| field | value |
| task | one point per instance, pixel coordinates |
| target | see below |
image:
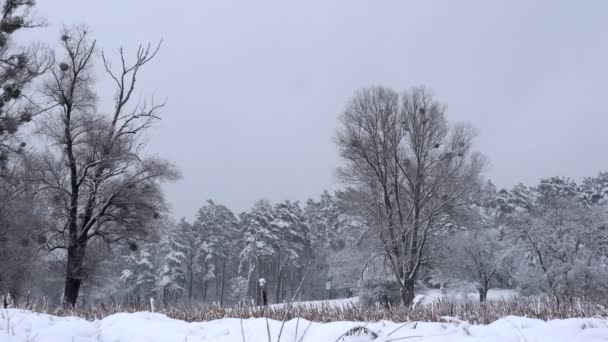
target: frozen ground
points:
(343, 302)
(423, 297)
(494, 295)
(25, 326)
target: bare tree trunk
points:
(205, 291)
(74, 272)
(223, 281)
(483, 294)
(260, 274)
(483, 290)
(278, 272)
(190, 281)
(293, 277)
(407, 292)
(216, 287)
(277, 289)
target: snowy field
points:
(423, 297)
(432, 295)
(25, 326)
(342, 302)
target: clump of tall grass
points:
(534, 307)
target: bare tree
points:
(415, 166)
(477, 250)
(94, 175)
(475, 256)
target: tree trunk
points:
(277, 289)
(190, 280)
(204, 291)
(293, 277)
(74, 272)
(223, 280)
(407, 292)
(483, 294)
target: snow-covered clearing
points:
(424, 297)
(342, 302)
(25, 326)
(432, 295)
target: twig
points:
(242, 330)
(268, 330)
(291, 304)
(399, 327)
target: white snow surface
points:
(430, 296)
(26, 326)
(423, 297)
(342, 302)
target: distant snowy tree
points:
(217, 233)
(563, 239)
(293, 246)
(331, 238)
(260, 237)
(595, 189)
(177, 250)
(139, 274)
(325, 221)
(475, 253)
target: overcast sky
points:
(255, 87)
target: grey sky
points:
(255, 87)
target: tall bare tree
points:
(416, 167)
(98, 182)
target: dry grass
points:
(542, 308)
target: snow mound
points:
(27, 326)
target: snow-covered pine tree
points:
(176, 247)
(324, 220)
(260, 238)
(326, 223)
(293, 252)
(595, 189)
(139, 274)
(218, 236)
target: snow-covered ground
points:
(433, 295)
(424, 297)
(342, 302)
(26, 326)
